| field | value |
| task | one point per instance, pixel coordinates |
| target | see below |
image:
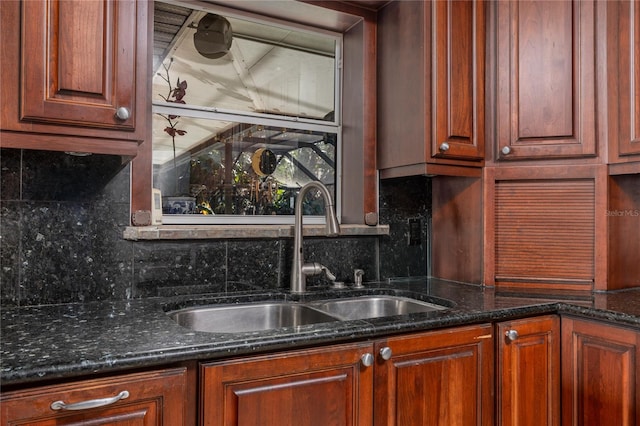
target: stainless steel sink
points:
(248, 317)
(374, 306)
(271, 315)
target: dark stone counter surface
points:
(77, 340)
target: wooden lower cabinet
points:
(433, 378)
(601, 374)
(144, 399)
(443, 377)
(328, 386)
(528, 372)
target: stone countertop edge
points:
(200, 232)
(78, 340)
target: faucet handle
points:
(314, 268)
(357, 278)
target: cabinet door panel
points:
(436, 378)
(600, 382)
(326, 386)
(458, 87)
(629, 74)
(294, 400)
(528, 372)
(88, 65)
(546, 79)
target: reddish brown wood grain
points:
(154, 398)
(545, 80)
(317, 386)
(431, 77)
(69, 66)
(528, 372)
(600, 374)
(437, 378)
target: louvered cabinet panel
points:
(545, 232)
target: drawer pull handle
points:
(92, 403)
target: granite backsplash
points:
(61, 224)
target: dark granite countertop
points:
(78, 340)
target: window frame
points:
(357, 165)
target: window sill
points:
(218, 232)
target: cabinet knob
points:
(123, 113)
(444, 147)
(385, 353)
(506, 150)
(367, 359)
(511, 335)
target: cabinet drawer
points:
(145, 399)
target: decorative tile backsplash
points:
(61, 224)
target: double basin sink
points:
(272, 315)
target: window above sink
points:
(237, 133)
(355, 161)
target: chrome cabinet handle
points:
(123, 113)
(506, 150)
(367, 359)
(444, 147)
(385, 353)
(511, 335)
(92, 403)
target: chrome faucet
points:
(300, 270)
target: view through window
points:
(245, 112)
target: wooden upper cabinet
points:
(528, 372)
(89, 62)
(623, 49)
(143, 399)
(441, 377)
(545, 79)
(77, 70)
(458, 83)
(601, 374)
(431, 77)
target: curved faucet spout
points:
(298, 272)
